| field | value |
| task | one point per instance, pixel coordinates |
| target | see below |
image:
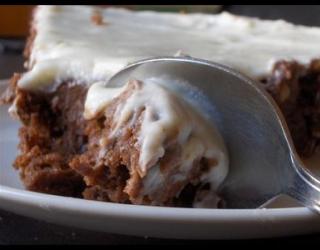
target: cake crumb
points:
(97, 18)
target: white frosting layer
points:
(69, 45)
(166, 117)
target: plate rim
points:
(160, 222)
(150, 212)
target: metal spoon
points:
(263, 161)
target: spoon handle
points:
(304, 187)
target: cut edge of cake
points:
(42, 162)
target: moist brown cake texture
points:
(59, 149)
(296, 89)
(51, 134)
(110, 165)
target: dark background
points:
(20, 230)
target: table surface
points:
(16, 229)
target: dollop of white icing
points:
(69, 45)
(166, 118)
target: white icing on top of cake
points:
(70, 46)
(166, 117)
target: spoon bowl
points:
(263, 161)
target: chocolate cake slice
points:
(65, 150)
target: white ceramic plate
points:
(180, 223)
